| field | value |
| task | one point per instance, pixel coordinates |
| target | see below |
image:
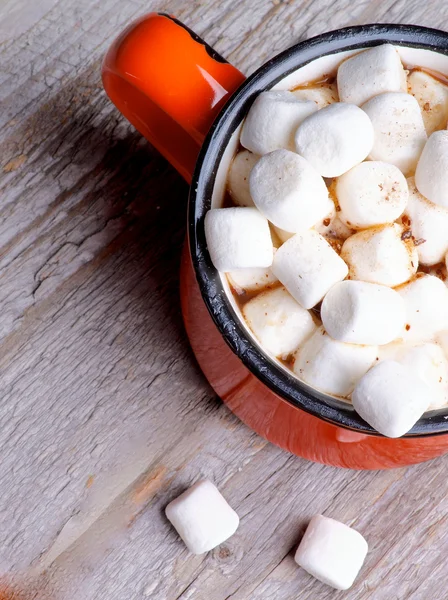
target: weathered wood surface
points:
(104, 415)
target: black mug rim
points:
(287, 386)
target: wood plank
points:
(105, 416)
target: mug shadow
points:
(137, 191)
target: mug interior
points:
(305, 62)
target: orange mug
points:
(188, 101)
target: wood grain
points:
(104, 415)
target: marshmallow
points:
(400, 133)
(238, 180)
(391, 398)
(282, 235)
(202, 517)
(322, 95)
(429, 226)
(370, 194)
(431, 175)
(335, 138)
(331, 552)
(250, 280)
(308, 267)
(238, 238)
(278, 322)
(288, 191)
(370, 73)
(429, 363)
(442, 340)
(272, 121)
(332, 227)
(426, 300)
(356, 312)
(432, 97)
(331, 366)
(393, 350)
(381, 254)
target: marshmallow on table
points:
(382, 254)
(308, 267)
(250, 280)
(272, 121)
(288, 191)
(432, 96)
(278, 322)
(331, 552)
(431, 175)
(426, 300)
(356, 312)
(391, 398)
(322, 95)
(238, 238)
(370, 73)
(238, 180)
(202, 517)
(370, 194)
(400, 133)
(429, 363)
(330, 366)
(429, 226)
(335, 138)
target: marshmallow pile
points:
(338, 240)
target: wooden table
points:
(104, 413)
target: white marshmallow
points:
(322, 95)
(238, 238)
(333, 228)
(429, 363)
(426, 300)
(335, 138)
(370, 73)
(272, 121)
(432, 96)
(331, 366)
(278, 322)
(370, 194)
(391, 398)
(288, 191)
(393, 350)
(400, 133)
(442, 340)
(238, 180)
(429, 226)
(331, 552)
(356, 312)
(431, 175)
(308, 267)
(202, 517)
(282, 235)
(250, 280)
(380, 255)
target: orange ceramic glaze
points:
(170, 86)
(166, 83)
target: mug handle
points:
(169, 84)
